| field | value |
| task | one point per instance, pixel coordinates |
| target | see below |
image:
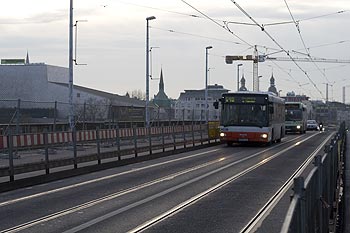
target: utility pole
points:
(255, 70)
(238, 65)
(70, 84)
(147, 70)
(206, 84)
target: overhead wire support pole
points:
(278, 44)
(255, 70)
(147, 71)
(206, 84)
(70, 84)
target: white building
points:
(191, 104)
(40, 86)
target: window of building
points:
(78, 95)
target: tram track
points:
(202, 195)
(142, 168)
(257, 220)
(148, 184)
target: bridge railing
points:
(314, 203)
(27, 153)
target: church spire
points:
(27, 58)
(272, 87)
(243, 88)
(161, 82)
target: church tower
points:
(161, 99)
(272, 87)
(243, 88)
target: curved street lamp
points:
(206, 83)
(147, 69)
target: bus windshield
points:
(294, 115)
(244, 115)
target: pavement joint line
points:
(100, 179)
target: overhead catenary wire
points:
(278, 44)
(303, 42)
(306, 19)
(291, 76)
(218, 24)
(159, 9)
(196, 35)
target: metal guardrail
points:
(102, 144)
(314, 204)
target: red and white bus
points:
(252, 117)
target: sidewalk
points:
(347, 186)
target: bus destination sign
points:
(245, 99)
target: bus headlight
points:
(264, 135)
(298, 126)
(222, 134)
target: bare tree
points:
(95, 109)
(138, 94)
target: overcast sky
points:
(112, 42)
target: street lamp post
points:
(238, 65)
(147, 70)
(258, 83)
(206, 83)
(70, 84)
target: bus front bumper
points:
(244, 137)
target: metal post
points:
(150, 140)
(147, 70)
(318, 164)
(118, 141)
(10, 145)
(98, 145)
(71, 107)
(163, 142)
(74, 137)
(200, 127)
(135, 139)
(47, 165)
(193, 142)
(255, 70)
(184, 133)
(55, 117)
(300, 192)
(18, 115)
(84, 118)
(206, 82)
(174, 137)
(238, 65)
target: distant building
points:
(39, 86)
(243, 88)
(162, 102)
(272, 87)
(191, 104)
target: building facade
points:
(162, 102)
(41, 91)
(191, 104)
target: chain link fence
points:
(23, 116)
